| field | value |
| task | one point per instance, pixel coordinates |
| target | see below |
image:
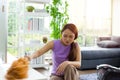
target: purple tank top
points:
(60, 53)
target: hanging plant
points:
(59, 16)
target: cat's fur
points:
(18, 70)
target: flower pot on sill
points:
(45, 39)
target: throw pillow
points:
(104, 38)
(108, 44)
(116, 38)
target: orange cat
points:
(18, 70)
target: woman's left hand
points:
(62, 67)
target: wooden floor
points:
(46, 71)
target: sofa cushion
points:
(93, 56)
(108, 44)
(116, 38)
(94, 53)
(104, 38)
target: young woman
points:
(66, 54)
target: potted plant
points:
(30, 8)
(59, 16)
(45, 39)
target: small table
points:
(32, 74)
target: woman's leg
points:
(54, 77)
(71, 73)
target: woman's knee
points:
(70, 69)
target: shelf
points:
(34, 23)
(38, 1)
(33, 45)
(37, 14)
(39, 65)
(36, 32)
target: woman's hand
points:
(62, 67)
(28, 58)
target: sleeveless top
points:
(60, 53)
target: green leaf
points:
(59, 16)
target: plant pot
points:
(30, 8)
(45, 39)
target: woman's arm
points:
(41, 51)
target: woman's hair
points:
(73, 52)
(71, 27)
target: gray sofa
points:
(107, 52)
(93, 56)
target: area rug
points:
(92, 76)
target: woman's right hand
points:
(62, 67)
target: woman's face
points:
(67, 37)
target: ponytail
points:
(73, 52)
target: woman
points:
(66, 54)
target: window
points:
(98, 17)
(93, 18)
(16, 24)
(12, 28)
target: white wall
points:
(116, 18)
